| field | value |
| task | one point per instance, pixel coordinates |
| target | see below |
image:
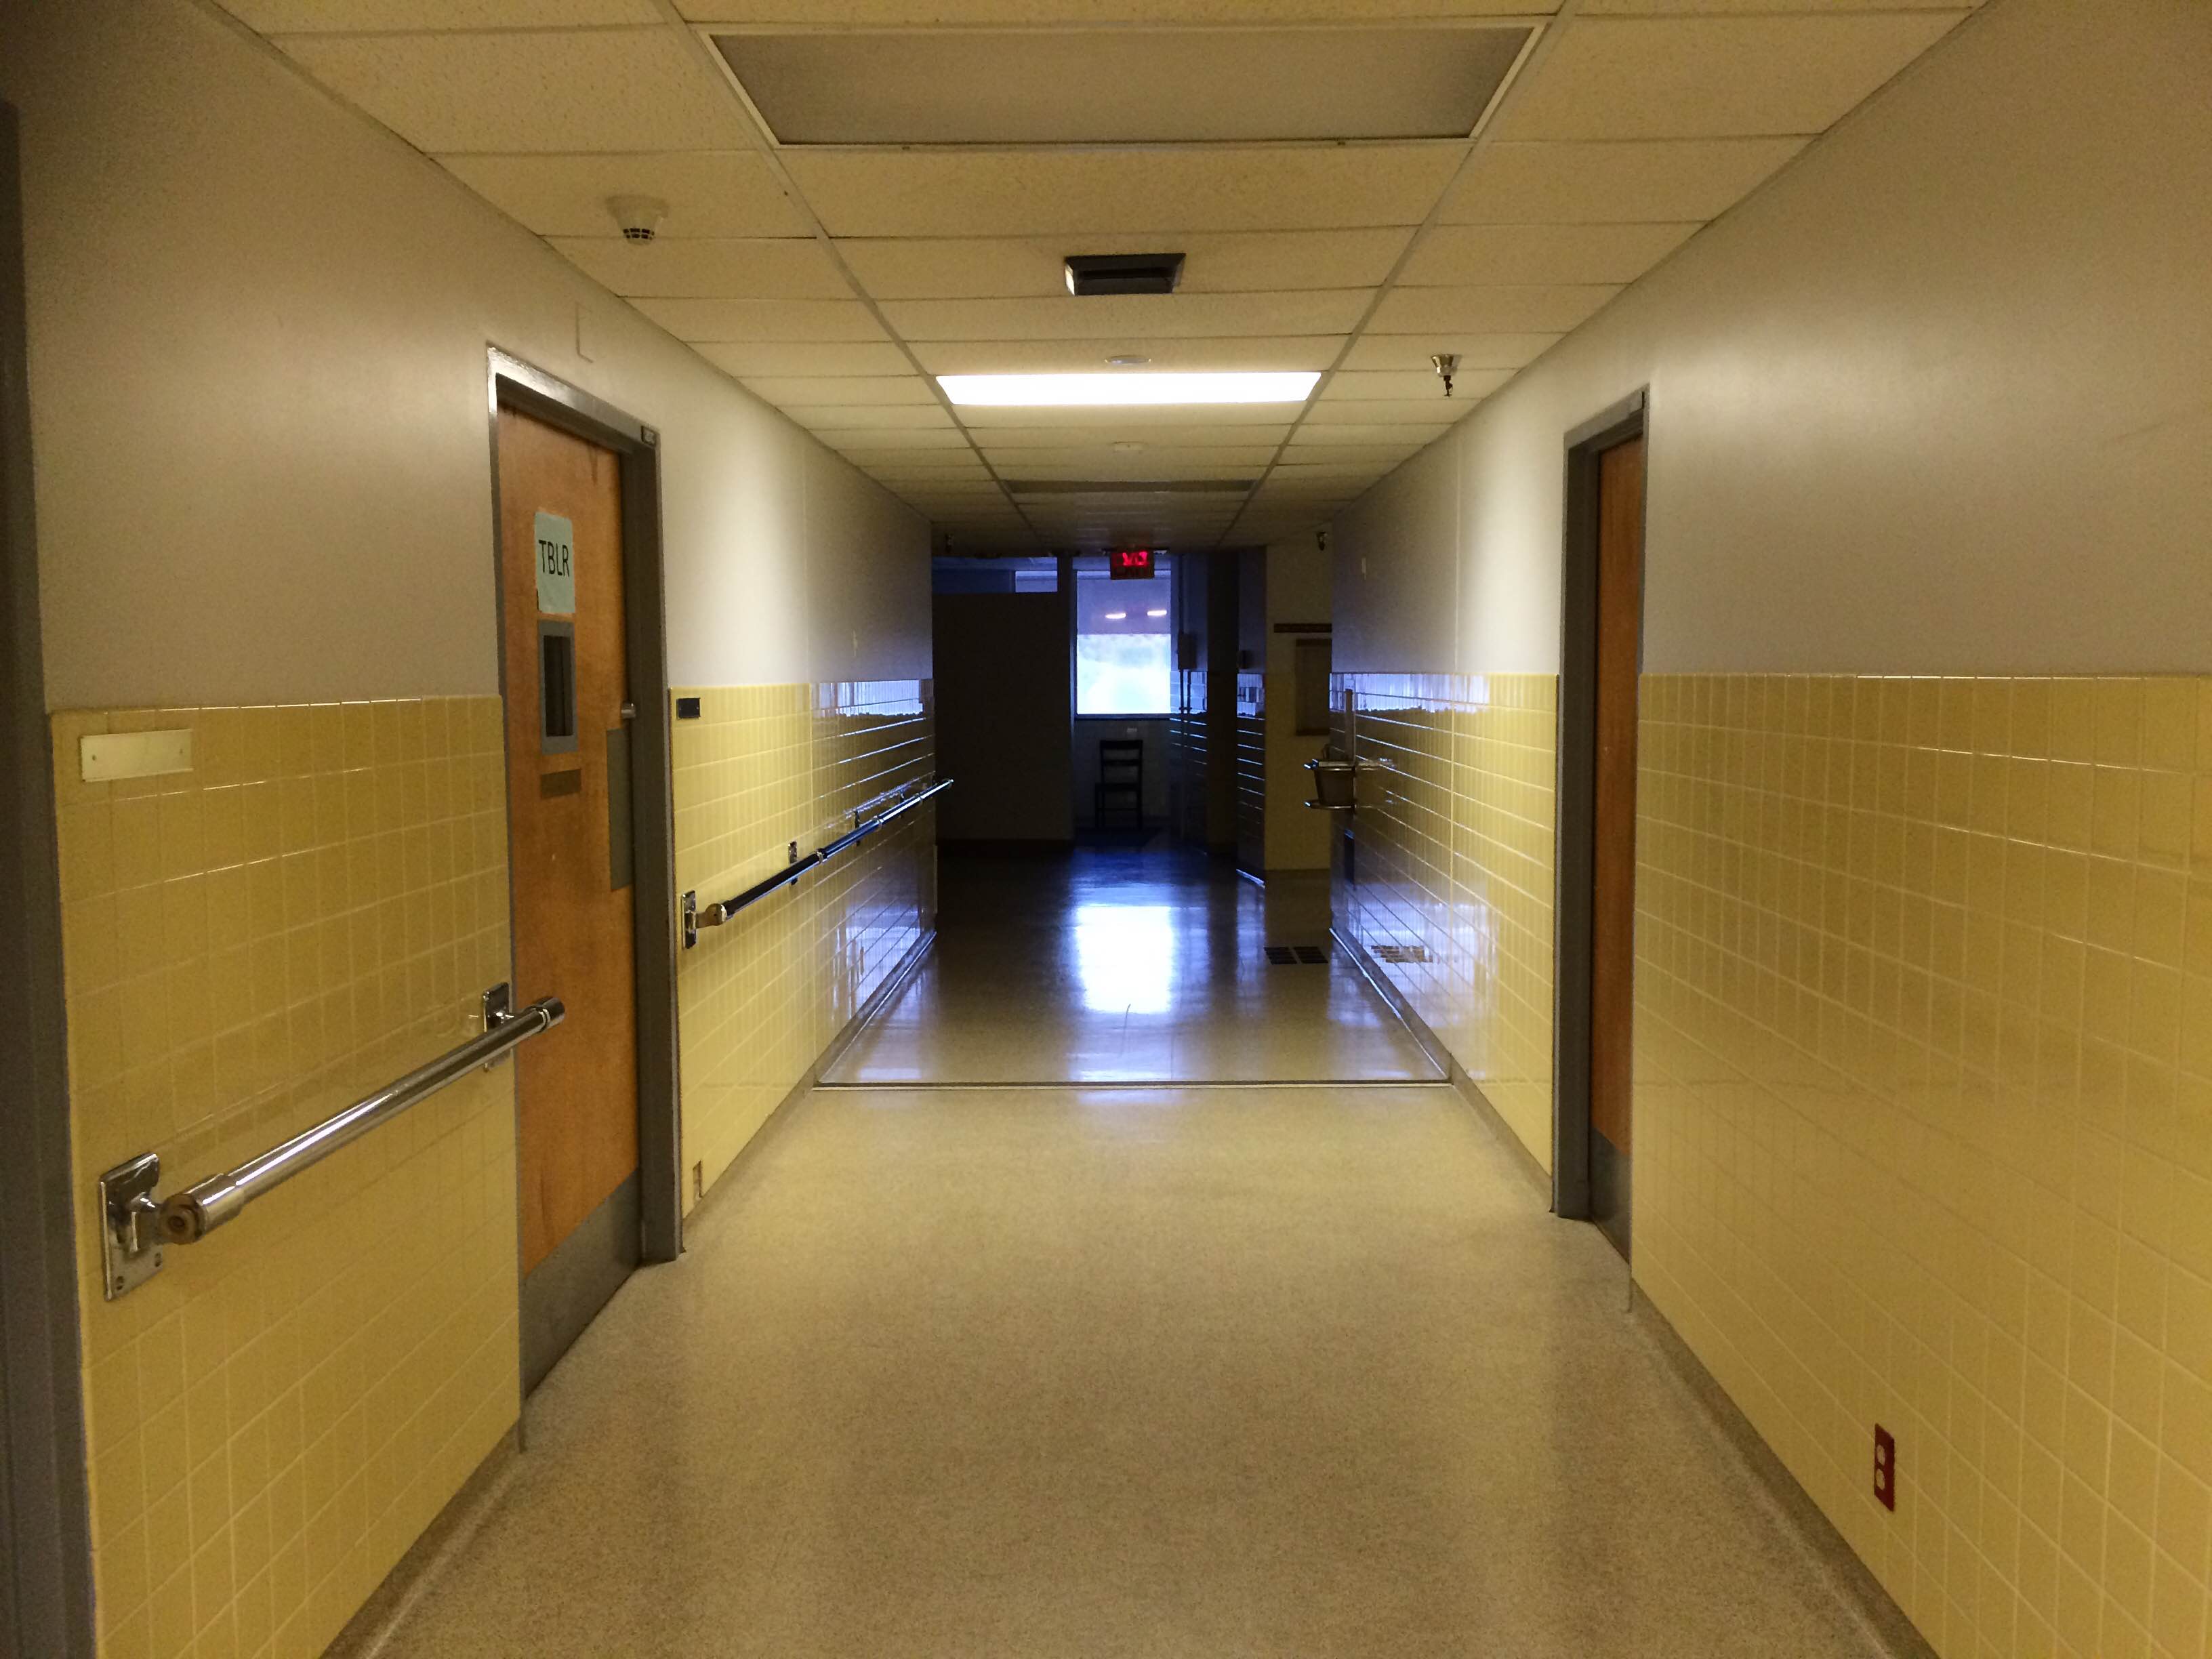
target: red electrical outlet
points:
(1885, 1467)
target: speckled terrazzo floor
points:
(1204, 1372)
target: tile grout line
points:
(765, 148)
(1545, 36)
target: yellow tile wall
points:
(1454, 864)
(760, 998)
(1924, 1124)
(309, 912)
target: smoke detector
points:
(639, 217)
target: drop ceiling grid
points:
(837, 282)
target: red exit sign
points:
(1131, 563)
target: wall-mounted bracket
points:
(687, 911)
(130, 1230)
(498, 1006)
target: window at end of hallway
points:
(1124, 643)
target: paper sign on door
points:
(556, 565)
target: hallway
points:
(1204, 1372)
(1117, 965)
(1003, 828)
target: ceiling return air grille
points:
(1140, 85)
(1091, 274)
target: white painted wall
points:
(1939, 398)
(258, 329)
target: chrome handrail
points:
(695, 916)
(191, 1215)
(136, 1224)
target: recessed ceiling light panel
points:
(1205, 85)
(1128, 391)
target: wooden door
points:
(1612, 920)
(559, 515)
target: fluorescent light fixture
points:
(1092, 391)
(1160, 612)
(1117, 616)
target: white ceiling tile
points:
(982, 493)
(1312, 351)
(880, 417)
(1336, 438)
(1290, 471)
(813, 358)
(1314, 445)
(763, 319)
(1476, 352)
(601, 89)
(1715, 77)
(871, 390)
(853, 13)
(1124, 468)
(1009, 267)
(722, 268)
(1660, 181)
(1357, 387)
(1318, 311)
(1661, 8)
(1029, 193)
(1427, 413)
(1487, 310)
(951, 468)
(1153, 461)
(709, 193)
(364, 16)
(890, 443)
(1540, 255)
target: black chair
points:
(1120, 789)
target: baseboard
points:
(369, 1629)
(1849, 1577)
(878, 1000)
(894, 982)
(1441, 1058)
(365, 1633)
(1044, 849)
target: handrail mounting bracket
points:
(130, 1235)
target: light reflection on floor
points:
(1125, 954)
(1121, 966)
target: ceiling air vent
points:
(1123, 273)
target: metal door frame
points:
(45, 1508)
(1576, 816)
(514, 384)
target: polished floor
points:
(1123, 965)
(1199, 1371)
(1128, 1371)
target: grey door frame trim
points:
(1577, 798)
(45, 1508)
(518, 385)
